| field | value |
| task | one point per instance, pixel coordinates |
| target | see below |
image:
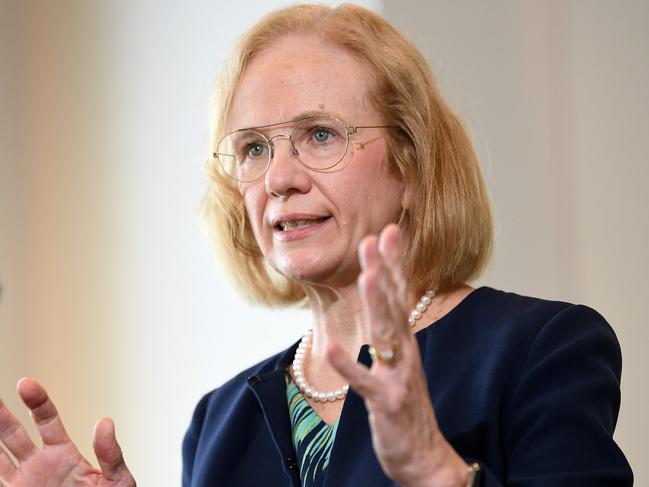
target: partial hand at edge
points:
(58, 462)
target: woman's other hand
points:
(405, 434)
(58, 462)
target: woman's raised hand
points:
(58, 462)
(405, 435)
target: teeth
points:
(293, 224)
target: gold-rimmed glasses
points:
(319, 142)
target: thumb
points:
(109, 453)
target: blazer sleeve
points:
(561, 412)
(190, 441)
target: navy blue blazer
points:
(529, 388)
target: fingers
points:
(392, 253)
(7, 468)
(108, 452)
(47, 420)
(380, 307)
(383, 288)
(368, 253)
(357, 375)
(13, 435)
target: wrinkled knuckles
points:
(395, 402)
(44, 418)
(9, 431)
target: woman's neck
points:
(337, 315)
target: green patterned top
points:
(313, 439)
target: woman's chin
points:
(315, 271)
(304, 275)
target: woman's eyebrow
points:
(297, 118)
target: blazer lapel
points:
(270, 390)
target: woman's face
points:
(327, 213)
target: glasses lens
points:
(243, 155)
(321, 142)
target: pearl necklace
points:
(339, 394)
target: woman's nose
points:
(286, 174)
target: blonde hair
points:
(447, 220)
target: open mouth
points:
(288, 225)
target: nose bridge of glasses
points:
(271, 142)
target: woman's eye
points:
(254, 150)
(321, 134)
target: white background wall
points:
(110, 295)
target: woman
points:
(341, 180)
